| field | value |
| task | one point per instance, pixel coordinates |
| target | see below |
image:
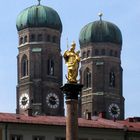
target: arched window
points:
(88, 53)
(96, 52)
(112, 79)
(24, 66)
(39, 37)
(54, 39)
(87, 78)
(111, 53)
(103, 52)
(50, 67)
(116, 54)
(32, 38)
(48, 38)
(84, 55)
(21, 41)
(25, 39)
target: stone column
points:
(71, 92)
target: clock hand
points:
(114, 109)
(52, 99)
(25, 100)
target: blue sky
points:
(74, 15)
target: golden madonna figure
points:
(72, 60)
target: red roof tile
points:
(131, 126)
(96, 122)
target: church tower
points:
(101, 71)
(39, 62)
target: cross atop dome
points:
(39, 2)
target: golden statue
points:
(72, 60)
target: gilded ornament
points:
(72, 60)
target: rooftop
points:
(131, 124)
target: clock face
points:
(114, 110)
(24, 101)
(52, 100)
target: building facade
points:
(21, 127)
(101, 71)
(40, 103)
(39, 62)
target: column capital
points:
(72, 90)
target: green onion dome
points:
(38, 16)
(100, 31)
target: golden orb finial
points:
(100, 15)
